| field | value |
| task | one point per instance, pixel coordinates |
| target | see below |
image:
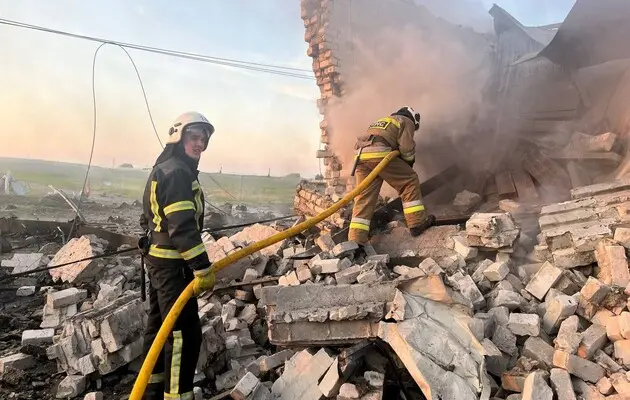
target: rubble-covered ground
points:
(520, 303)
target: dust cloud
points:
(443, 74)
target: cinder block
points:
(67, 297)
(38, 337)
(537, 349)
(244, 387)
(544, 279)
(561, 383)
(613, 264)
(536, 388)
(558, 310)
(577, 366)
(497, 271)
(16, 361)
(524, 324)
(593, 339)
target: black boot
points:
(426, 224)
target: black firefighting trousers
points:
(174, 371)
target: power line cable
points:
(122, 45)
(253, 66)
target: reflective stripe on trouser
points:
(182, 396)
(178, 359)
(414, 212)
(399, 175)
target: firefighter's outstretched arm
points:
(180, 212)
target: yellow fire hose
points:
(168, 323)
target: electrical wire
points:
(122, 45)
(234, 63)
(221, 187)
(94, 110)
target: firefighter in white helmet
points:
(173, 212)
(395, 132)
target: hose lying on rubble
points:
(168, 323)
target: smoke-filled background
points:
(495, 94)
(440, 69)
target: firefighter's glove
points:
(204, 280)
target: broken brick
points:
(568, 339)
(558, 310)
(524, 324)
(496, 272)
(536, 388)
(561, 383)
(594, 291)
(594, 338)
(544, 279)
(578, 366)
(613, 264)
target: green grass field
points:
(129, 183)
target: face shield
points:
(199, 130)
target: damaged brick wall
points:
(333, 29)
(313, 198)
(344, 38)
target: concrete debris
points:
(38, 337)
(25, 291)
(494, 231)
(466, 201)
(301, 376)
(256, 233)
(469, 314)
(17, 361)
(24, 262)
(71, 386)
(76, 249)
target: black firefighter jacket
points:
(173, 210)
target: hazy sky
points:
(263, 121)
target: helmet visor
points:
(199, 129)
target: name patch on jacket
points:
(381, 124)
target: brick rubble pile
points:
(469, 312)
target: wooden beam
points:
(524, 185)
(505, 185)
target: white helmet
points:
(184, 121)
(410, 113)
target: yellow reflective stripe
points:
(408, 158)
(198, 203)
(176, 363)
(155, 207)
(183, 396)
(164, 253)
(383, 123)
(414, 209)
(179, 206)
(360, 220)
(156, 378)
(371, 156)
(408, 204)
(194, 252)
(358, 225)
(392, 120)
